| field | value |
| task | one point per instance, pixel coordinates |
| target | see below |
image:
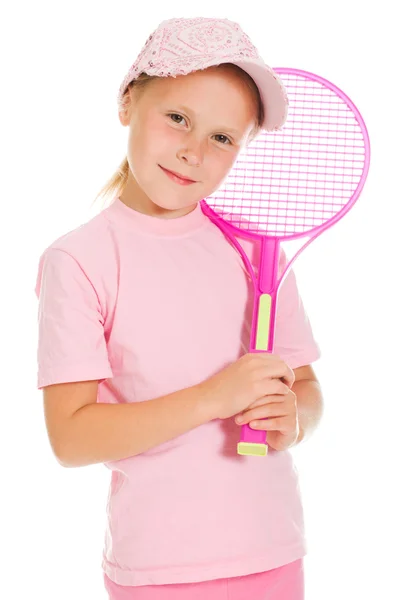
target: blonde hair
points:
(116, 184)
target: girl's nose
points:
(192, 155)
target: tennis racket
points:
(291, 184)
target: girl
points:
(144, 325)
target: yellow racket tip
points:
(250, 449)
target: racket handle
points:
(252, 442)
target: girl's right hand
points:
(245, 381)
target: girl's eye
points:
(223, 138)
(178, 119)
(176, 115)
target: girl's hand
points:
(251, 378)
(280, 419)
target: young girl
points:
(144, 326)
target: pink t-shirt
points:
(150, 306)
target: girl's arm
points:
(83, 432)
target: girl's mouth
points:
(176, 177)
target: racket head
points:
(302, 179)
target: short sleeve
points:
(71, 341)
(294, 339)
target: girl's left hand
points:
(280, 419)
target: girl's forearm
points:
(309, 406)
(102, 432)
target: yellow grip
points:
(263, 322)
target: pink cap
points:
(181, 46)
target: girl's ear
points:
(124, 113)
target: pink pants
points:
(283, 583)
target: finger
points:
(271, 387)
(275, 409)
(288, 375)
(282, 424)
(279, 370)
(289, 378)
(271, 398)
(265, 424)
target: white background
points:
(62, 64)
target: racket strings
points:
(292, 181)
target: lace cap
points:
(181, 46)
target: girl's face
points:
(194, 125)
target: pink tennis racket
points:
(291, 184)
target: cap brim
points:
(272, 91)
